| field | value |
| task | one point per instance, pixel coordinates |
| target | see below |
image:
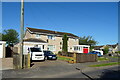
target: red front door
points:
(85, 50)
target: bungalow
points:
(112, 48)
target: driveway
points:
(41, 70)
(55, 69)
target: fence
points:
(81, 57)
(85, 57)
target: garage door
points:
(1, 51)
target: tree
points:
(10, 36)
(106, 49)
(0, 36)
(87, 41)
(65, 44)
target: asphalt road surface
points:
(60, 69)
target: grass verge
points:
(64, 58)
(102, 59)
(114, 57)
(106, 64)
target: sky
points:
(97, 19)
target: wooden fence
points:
(82, 57)
(85, 57)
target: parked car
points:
(95, 52)
(36, 54)
(49, 55)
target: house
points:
(112, 48)
(98, 47)
(2, 49)
(48, 40)
(116, 49)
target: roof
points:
(113, 46)
(34, 40)
(34, 30)
(97, 47)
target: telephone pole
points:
(21, 33)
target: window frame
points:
(54, 47)
(52, 37)
(37, 35)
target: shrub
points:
(59, 52)
(106, 49)
(118, 52)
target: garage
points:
(31, 42)
(2, 49)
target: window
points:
(37, 35)
(35, 50)
(60, 48)
(51, 47)
(60, 43)
(75, 48)
(51, 37)
(75, 39)
(36, 45)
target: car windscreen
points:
(35, 50)
(48, 52)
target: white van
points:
(36, 53)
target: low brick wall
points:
(7, 63)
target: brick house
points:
(48, 40)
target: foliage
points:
(105, 50)
(59, 52)
(118, 52)
(10, 36)
(65, 43)
(0, 36)
(87, 41)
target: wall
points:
(2, 49)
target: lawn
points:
(105, 64)
(114, 57)
(102, 59)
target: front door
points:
(85, 50)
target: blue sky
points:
(97, 19)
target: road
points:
(61, 69)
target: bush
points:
(106, 49)
(59, 52)
(118, 52)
